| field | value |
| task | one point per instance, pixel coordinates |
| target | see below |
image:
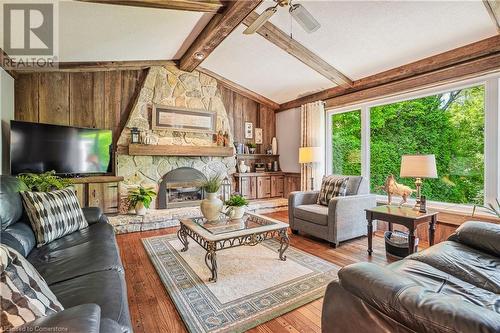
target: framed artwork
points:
(248, 130)
(173, 118)
(258, 135)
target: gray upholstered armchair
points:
(344, 218)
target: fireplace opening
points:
(181, 188)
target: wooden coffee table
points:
(224, 234)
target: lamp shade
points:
(421, 166)
(309, 154)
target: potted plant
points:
(236, 206)
(211, 206)
(491, 208)
(251, 147)
(140, 198)
(43, 182)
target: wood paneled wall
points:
(85, 99)
(103, 99)
(241, 109)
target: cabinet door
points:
(110, 198)
(277, 186)
(248, 187)
(96, 195)
(263, 187)
(292, 183)
(80, 194)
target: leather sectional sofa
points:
(453, 286)
(83, 269)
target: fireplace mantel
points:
(174, 150)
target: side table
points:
(401, 215)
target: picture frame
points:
(248, 130)
(258, 136)
(166, 117)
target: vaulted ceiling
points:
(358, 38)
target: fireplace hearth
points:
(180, 188)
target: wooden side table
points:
(401, 215)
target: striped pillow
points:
(25, 294)
(53, 214)
(332, 186)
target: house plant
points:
(491, 208)
(140, 198)
(236, 206)
(251, 147)
(43, 182)
(211, 206)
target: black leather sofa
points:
(453, 286)
(83, 269)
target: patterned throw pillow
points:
(53, 214)
(332, 186)
(25, 294)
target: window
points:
(346, 143)
(459, 125)
(448, 125)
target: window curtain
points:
(312, 119)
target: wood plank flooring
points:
(153, 311)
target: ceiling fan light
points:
(259, 22)
(304, 18)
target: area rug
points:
(253, 285)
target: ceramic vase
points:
(242, 167)
(211, 207)
(274, 144)
(237, 213)
(140, 209)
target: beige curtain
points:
(312, 119)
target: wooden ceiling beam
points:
(7, 63)
(94, 66)
(493, 8)
(208, 6)
(240, 89)
(440, 61)
(279, 38)
(219, 27)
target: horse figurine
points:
(394, 188)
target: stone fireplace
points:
(180, 188)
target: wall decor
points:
(258, 136)
(183, 119)
(248, 130)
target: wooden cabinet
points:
(277, 186)
(248, 187)
(80, 194)
(263, 187)
(99, 191)
(291, 183)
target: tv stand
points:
(98, 191)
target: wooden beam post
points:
(219, 27)
(208, 6)
(279, 38)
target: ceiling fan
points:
(297, 11)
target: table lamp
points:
(310, 155)
(418, 167)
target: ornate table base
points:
(212, 246)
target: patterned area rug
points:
(253, 285)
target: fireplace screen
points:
(181, 188)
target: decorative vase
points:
(274, 144)
(140, 209)
(211, 207)
(242, 167)
(237, 213)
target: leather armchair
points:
(343, 219)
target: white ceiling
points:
(98, 32)
(359, 38)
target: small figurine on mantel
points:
(219, 138)
(226, 139)
(391, 187)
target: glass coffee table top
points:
(224, 225)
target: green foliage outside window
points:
(450, 126)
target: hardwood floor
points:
(153, 311)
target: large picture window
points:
(450, 126)
(346, 143)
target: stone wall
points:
(170, 86)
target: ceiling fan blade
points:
(304, 18)
(259, 22)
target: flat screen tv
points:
(67, 150)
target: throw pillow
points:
(332, 186)
(53, 214)
(25, 294)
